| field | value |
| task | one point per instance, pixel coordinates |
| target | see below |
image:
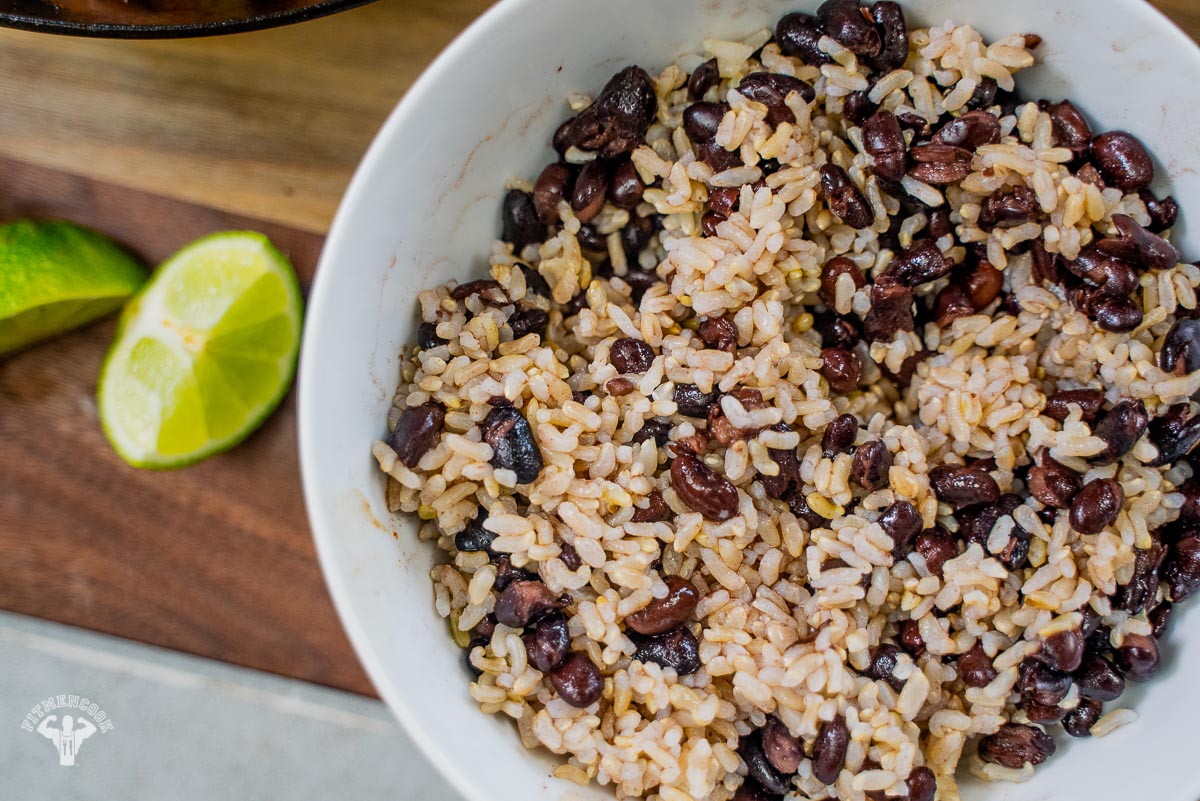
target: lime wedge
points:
(55, 276)
(204, 354)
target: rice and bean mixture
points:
(824, 423)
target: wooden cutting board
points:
(157, 143)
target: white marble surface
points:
(183, 727)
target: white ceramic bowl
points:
(424, 207)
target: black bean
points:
(520, 218)
(664, 614)
(616, 123)
(625, 189)
(630, 355)
(489, 292)
(952, 303)
(902, 522)
(922, 785)
(1181, 570)
(841, 369)
(772, 89)
(1123, 161)
(910, 638)
(1062, 650)
(1008, 207)
(963, 487)
(891, 310)
(940, 224)
(884, 140)
(835, 331)
(1159, 618)
(1135, 244)
(529, 321)
(513, 445)
(722, 200)
(1070, 127)
(1079, 721)
(1041, 684)
(851, 26)
(834, 269)
(635, 236)
(569, 556)
(890, 19)
(719, 333)
(655, 510)
(534, 283)
(845, 199)
(691, 401)
(591, 188)
(709, 223)
(798, 35)
(783, 751)
(475, 537)
(704, 491)
(829, 750)
(416, 431)
(427, 336)
(506, 574)
(872, 460)
(561, 141)
(975, 667)
(717, 157)
(759, 767)
(1180, 352)
(551, 187)
(1140, 591)
(936, 546)
(1089, 402)
(940, 164)
(1053, 484)
(1015, 745)
(1139, 657)
(655, 429)
(985, 95)
(1098, 679)
(522, 602)
(678, 649)
(1046, 265)
(970, 131)
(1121, 428)
(983, 284)
(1174, 434)
(750, 790)
(549, 643)
(703, 78)
(919, 264)
(1163, 213)
(857, 107)
(578, 681)
(701, 120)
(883, 663)
(1097, 505)
(839, 435)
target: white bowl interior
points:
(424, 208)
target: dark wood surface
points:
(157, 143)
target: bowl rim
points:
(108, 30)
(318, 505)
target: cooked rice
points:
(790, 613)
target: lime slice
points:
(55, 276)
(204, 354)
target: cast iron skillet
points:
(161, 19)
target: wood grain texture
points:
(156, 143)
(216, 559)
(269, 124)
